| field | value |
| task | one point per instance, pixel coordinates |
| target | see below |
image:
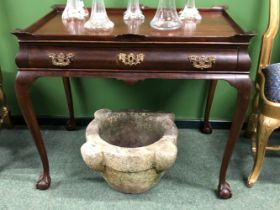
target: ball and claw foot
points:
(71, 125)
(224, 191)
(206, 128)
(44, 182)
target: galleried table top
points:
(216, 25)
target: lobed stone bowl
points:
(132, 150)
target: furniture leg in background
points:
(71, 124)
(5, 117)
(251, 131)
(206, 127)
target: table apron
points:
(137, 75)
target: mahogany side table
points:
(214, 49)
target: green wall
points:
(184, 98)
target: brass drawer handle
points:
(202, 62)
(61, 59)
(131, 59)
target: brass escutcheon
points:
(202, 62)
(61, 59)
(131, 59)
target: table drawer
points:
(118, 58)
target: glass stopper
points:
(75, 10)
(166, 17)
(190, 12)
(133, 11)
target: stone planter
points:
(132, 150)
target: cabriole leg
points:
(23, 83)
(243, 87)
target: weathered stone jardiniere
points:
(132, 150)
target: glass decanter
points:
(133, 11)
(99, 19)
(166, 17)
(190, 12)
(75, 10)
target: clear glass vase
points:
(166, 17)
(133, 11)
(99, 19)
(190, 12)
(75, 10)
